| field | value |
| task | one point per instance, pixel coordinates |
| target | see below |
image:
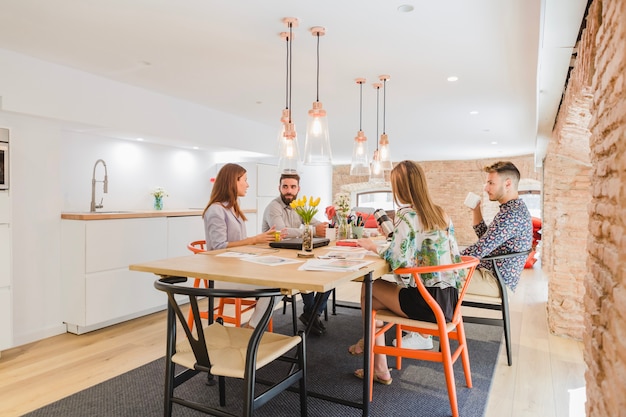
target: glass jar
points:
(307, 238)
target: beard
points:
(288, 198)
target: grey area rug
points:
(419, 389)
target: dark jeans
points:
(309, 300)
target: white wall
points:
(51, 167)
(134, 170)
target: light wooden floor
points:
(545, 367)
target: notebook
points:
(296, 243)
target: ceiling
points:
(511, 58)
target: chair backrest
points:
(467, 263)
(494, 259)
(175, 286)
(197, 246)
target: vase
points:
(158, 203)
(343, 230)
(307, 238)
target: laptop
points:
(296, 243)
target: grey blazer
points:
(222, 226)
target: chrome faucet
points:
(105, 187)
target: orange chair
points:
(241, 305)
(444, 331)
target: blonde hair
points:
(225, 189)
(408, 184)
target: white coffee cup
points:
(472, 200)
(331, 233)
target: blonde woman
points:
(423, 235)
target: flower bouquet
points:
(342, 211)
(306, 212)
(158, 194)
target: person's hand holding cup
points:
(472, 200)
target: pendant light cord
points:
(290, 67)
(287, 74)
(361, 107)
(384, 103)
(377, 113)
(317, 97)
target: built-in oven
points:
(4, 159)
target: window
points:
(376, 199)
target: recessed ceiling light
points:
(405, 8)
(453, 78)
(195, 147)
(140, 139)
(494, 143)
(474, 112)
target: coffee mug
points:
(357, 231)
(472, 200)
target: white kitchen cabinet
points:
(5, 256)
(98, 288)
(6, 305)
(5, 207)
(6, 318)
(181, 231)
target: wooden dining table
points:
(212, 267)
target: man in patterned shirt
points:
(510, 231)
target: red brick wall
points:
(605, 299)
(567, 194)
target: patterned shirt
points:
(412, 246)
(510, 231)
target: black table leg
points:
(367, 338)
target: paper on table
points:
(245, 251)
(270, 260)
(336, 254)
(334, 265)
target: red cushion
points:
(369, 219)
(531, 260)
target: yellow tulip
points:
(315, 202)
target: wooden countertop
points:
(136, 214)
(130, 214)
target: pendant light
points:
(383, 152)
(360, 164)
(377, 175)
(317, 145)
(288, 156)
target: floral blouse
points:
(412, 246)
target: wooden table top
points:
(231, 269)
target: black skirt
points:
(413, 304)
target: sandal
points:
(358, 348)
(359, 374)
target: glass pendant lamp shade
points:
(317, 145)
(288, 149)
(383, 151)
(377, 174)
(360, 164)
(384, 156)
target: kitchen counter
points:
(136, 214)
(130, 214)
